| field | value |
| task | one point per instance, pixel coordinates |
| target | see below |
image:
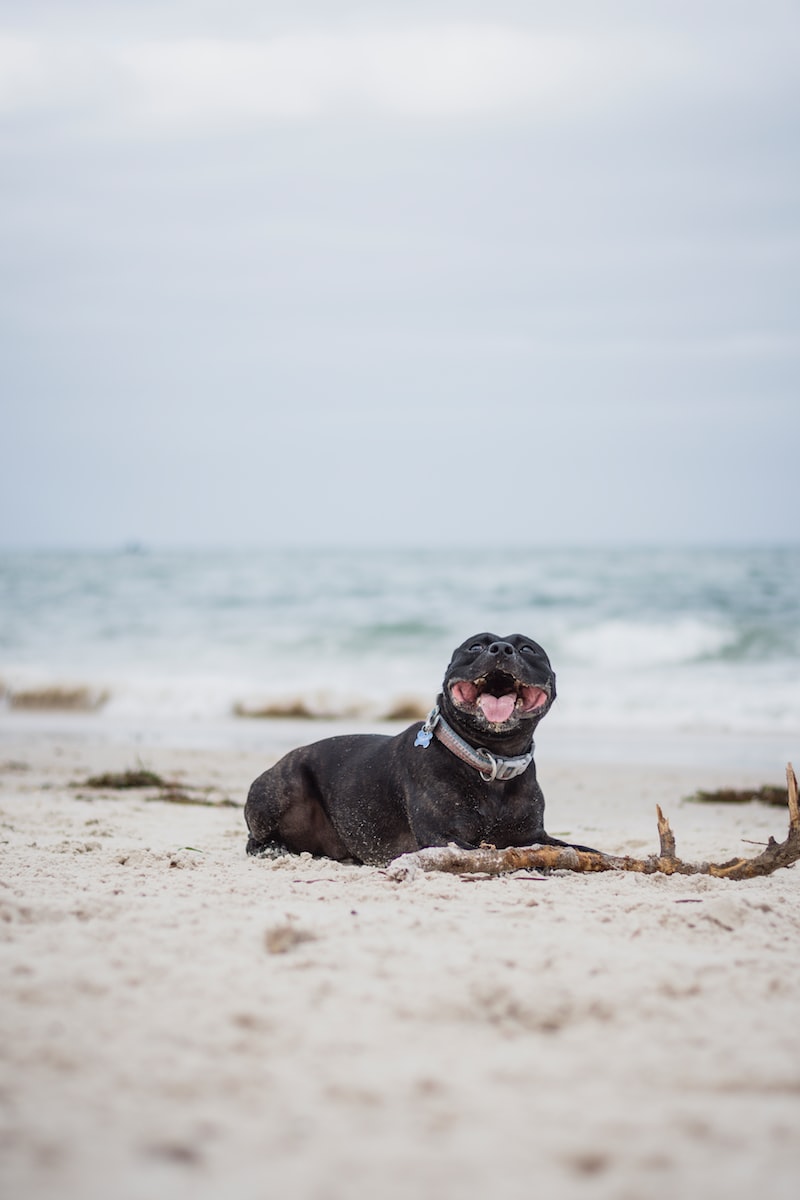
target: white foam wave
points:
(624, 645)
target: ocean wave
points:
(626, 644)
(623, 644)
(756, 644)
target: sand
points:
(180, 1020)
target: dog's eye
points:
(476, 646)
(529, 650)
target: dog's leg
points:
(284, 813)
(544, 839)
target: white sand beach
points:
(180, 1020)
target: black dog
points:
(466, 776)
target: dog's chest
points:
(496, 808)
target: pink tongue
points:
(497, 708)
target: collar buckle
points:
(493, 766)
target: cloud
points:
(442, 71)
(24, 80)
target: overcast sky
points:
(399, 272)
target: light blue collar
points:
(491, 766)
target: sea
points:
(673, 647)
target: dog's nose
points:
(501, 648)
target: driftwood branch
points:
(490, 861)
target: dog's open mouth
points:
(498, 696)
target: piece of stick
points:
(665, 835)
(490, 861)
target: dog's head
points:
(497, 688)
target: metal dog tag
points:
(423, 738)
